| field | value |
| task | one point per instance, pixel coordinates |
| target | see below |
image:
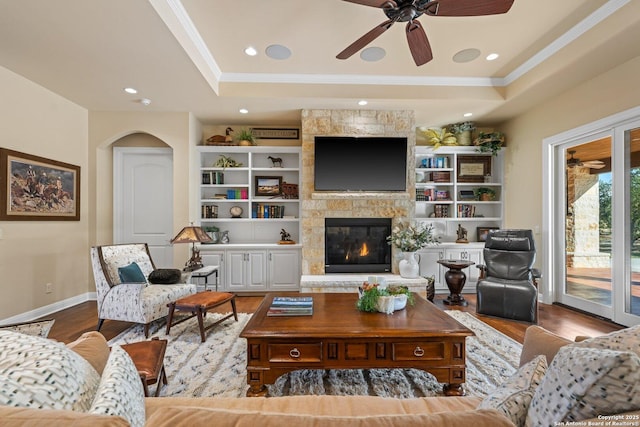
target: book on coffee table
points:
(291, 306)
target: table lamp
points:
(192, 234)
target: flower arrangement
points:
(370, 295)
(412, 237)
(457, 128)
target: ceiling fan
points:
(572, 162)
(409, 10)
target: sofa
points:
(86, 383)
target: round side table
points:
(455, 279)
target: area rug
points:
(217, 367)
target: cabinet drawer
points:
(307, 352)
(419, 351)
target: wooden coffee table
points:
(338, 336)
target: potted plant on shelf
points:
(489, 142)
(485, 194)
(212, 231)
(462, 131)
(374, 298)
(226, 162)
(245, 137)
(438, 137)
(410, 238)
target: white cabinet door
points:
(256, 270)
(246, 271)
(429, 265)
(284, 269)
(235, 270)
(213, 258)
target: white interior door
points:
(143, 200)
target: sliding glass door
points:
(592, 217)
(587, 225)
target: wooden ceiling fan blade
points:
(466, 7)
(375, 3)
(364, 40)
(418, 43)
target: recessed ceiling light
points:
(277, 51)
(243, 111)
(145, 101)
(362, 102)
(373, 54)
(468, 114)
(492, 56)
(466, 55)
(251, 51)
(130, 90)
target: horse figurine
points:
(276, 162)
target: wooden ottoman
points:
(148, 356)
(198, 304)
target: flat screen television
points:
(345, 163)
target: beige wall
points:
(610, 93)
(33, 253)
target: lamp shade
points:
(192, 234)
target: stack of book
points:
(291, 306)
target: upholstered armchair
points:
(139, 302)
(507, 287)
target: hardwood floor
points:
(74, 321)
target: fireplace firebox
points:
(357, 245)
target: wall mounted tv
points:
(345, 163)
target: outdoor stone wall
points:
(316, 206)
(583, 225)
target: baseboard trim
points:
(49, 309)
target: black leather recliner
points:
(507, 287)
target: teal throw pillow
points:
(131, 274)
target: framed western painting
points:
(35, 188)
(268, 185)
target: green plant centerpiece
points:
(412, 237)
(439, 137)
(246, 137)
(484, 193)
(370, 295)
(489, 142)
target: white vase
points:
(408, 266)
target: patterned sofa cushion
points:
(40, 373)
(583, 383)
(514, 395)
(120, 392)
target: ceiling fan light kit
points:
(409, 10)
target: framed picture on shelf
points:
(473, 168)
(268, 185)
(37, 189)
(483, 232)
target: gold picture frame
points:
(34, 188)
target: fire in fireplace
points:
(357, 245)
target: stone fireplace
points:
(316, 207)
